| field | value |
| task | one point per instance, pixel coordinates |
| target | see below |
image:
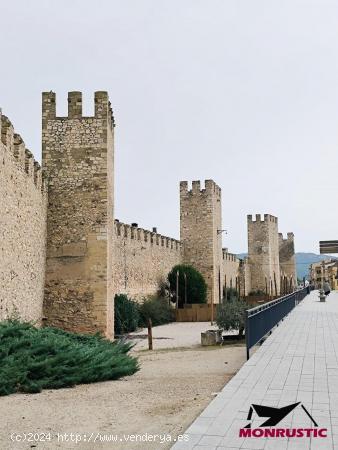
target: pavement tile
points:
(297, 362)
(210, 440)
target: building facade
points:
(324, 270)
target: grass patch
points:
(32, 359)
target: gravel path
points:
(172, 335)
(163, 398)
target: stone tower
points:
(201, 233)
(78, 161)
(263, 249)
(287, 258)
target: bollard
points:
(150, 335)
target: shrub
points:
(231, 315)
(163, 289)
(156, 309)
(196, 286)
(126, 314)
(33, 359)
(230, 294)
(257, 293)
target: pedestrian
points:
(326, 288)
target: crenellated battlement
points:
(201, 232)
(131, 232)
(244, 262)
(229, 256)
(78, 160)
(258, 218)
(287, 257)
(15, 149)
(290, 237)
(102, 107)
(263, 252)
(210, 188)
(23, 210)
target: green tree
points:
(231, 315)
(190, 281)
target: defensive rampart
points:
(142, 260)
(22, 228)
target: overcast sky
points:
(241, 91)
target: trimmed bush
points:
(156, 309)
(32, 359)
(196, 286)
(126, 314)
(231, 315)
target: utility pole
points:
(225, 284)
(177, 276)
(125, 265)
(212, 307)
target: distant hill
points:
(303, 260)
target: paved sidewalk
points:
(298, 362)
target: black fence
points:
(261, 319)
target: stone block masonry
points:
(201, 233)
(263, 246)
(236, 273)
(142, 260)
(287, 258)
(77, 155)
(230, 268)
(63, 257)
(271, 258)
(23, 201)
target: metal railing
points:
(261, 319)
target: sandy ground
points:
(173, 335)
(163, 398)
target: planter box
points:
(211, 337)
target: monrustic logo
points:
(276, 415)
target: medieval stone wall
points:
(85, 257)
(237, 273)
(230, 268)
(263, 248)
(245, 276)
(77, 155)
(287, 258)
(142, 260)
(201, 233)
(22, 228)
